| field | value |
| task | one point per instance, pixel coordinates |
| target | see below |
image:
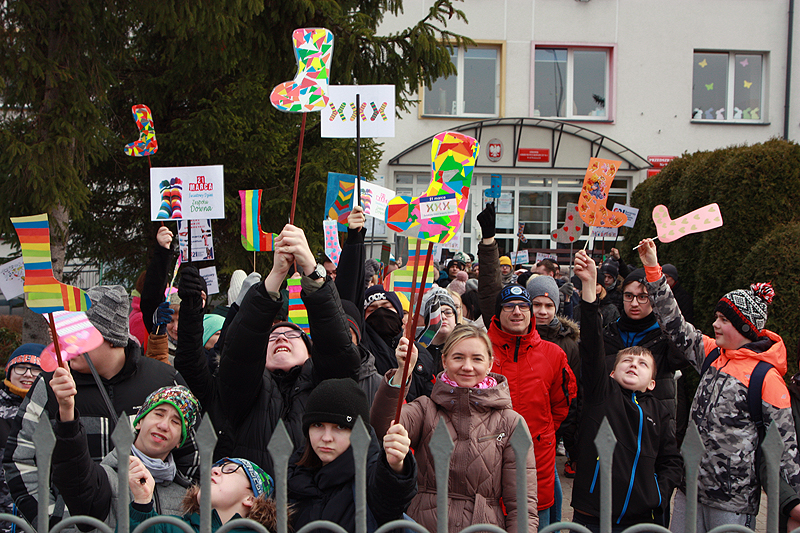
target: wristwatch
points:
(319, 272)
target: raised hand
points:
(486, 219)
(647, 253)
(356, 219)
(164, 237)
(64, 388)
(396, 445)
(586, 270)
(401, 352)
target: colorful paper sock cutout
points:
(437, 215)
(254, 239)
(332, 247)
(400, 280)
(147, 144)
(171, 196)
(339, 197)
(703, 219)
(594, 195)
(313, 48)
(298, 315)
(76, 336)
(45, 294)
(572, 228)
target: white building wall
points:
(652, 71)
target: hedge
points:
(758, 190)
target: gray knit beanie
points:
(543, 286)
(237, 278)
(109, 312)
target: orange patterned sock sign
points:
(594, 195)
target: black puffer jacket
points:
(244, 400)
(422, 377)
(327, 493)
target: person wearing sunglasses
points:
(239, 489)
(540, 380)
(21, 371)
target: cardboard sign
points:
(202, 241)
(187, 193)
(540, 256)
(12, 278)
(630, 212)
(298, 314)
(376, 112)
(375, 199)
(603, 233)
(76, 335)
(572, 228)
(332, 247)
(339, 197)
(519, 258)
(210, 275)
(594, 194)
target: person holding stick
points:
(476, 406)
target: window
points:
(728, 86)
(571, 83)
(473, 92)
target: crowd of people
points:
(495, 349)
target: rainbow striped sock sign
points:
(45, 294)
(253, 238)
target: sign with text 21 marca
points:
(187, 193)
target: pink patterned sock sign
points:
(332, 247)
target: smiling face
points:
(726, 334)
(543, 310)
(159, 432)
(634, 371)
(283, 353)
(468, 362)
(25, 380)
(515, 317)
(328, 440)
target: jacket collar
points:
(500, 337)
(452, 398)
(769, 348)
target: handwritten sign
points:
(631, 212)
(210, 275)
(12, 278)
(187, 193)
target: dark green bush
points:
(758, 190)
(9, 341)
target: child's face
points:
(230, 487)
(635, 372)
(159, 432)
(328, 440)
(726, 334)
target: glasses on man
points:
(21, 370)
(642, 298)
(229, 468)
(447, 312)
(523, 306)
(291, 334)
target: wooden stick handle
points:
(411, 325)
(55, 338)
(297, 167)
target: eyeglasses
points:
(641, 298)
(523, 306)
(20, 370)
(291, 334)
(447, 312)
(229, 468)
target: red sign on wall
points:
(534, 155)
(660, 161)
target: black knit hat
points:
(636, 275)
(338, 401)
(511, 292)
(293, 326)
(747, 308)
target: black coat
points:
(422, 375)
(244, 400)
(328, 493)
(647, 465)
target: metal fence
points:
(441, 446)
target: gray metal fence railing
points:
(441, 446)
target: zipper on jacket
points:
(596, 471)
(655, 475)
(156, 499)
(636, 459)
(516, 349)
(498, 436)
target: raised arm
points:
(190, 358)
(155, 281)
(489, 283)
(350, 271)
(688, 339)
(594, 377)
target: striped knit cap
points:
(747, 308)
(178, 397)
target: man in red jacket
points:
(541, 382)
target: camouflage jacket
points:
(728, 473)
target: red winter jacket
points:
(542, 387)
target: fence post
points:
(206, 441)
(122, 437)
(280, 448)
(521, 443)
(45, 441)
(441, 446)
(692, 451)
(360, 440)
(605, 442)
(772, 451)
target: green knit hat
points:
(178, 397)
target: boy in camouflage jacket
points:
(728, 485)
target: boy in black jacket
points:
(646, 465)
